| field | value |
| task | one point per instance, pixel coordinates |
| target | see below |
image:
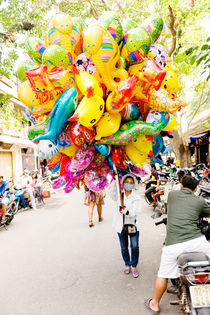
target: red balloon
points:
(118, 157)
(64, 160)
(81, 136)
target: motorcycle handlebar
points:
(164, 221)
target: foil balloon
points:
(136, 156)
(84, 63)
(172, 124)
(23, 67)
(154, 117)
(159, 54)
(66, 134)
(81, 136)
(170, 82)
(135, 170)
(86, 81)
(63, 109)
(38, 129)
(54, 160)
(64, 31)
(82, 159)
(112, 22)
(69, 150)
(144, 144)
(70, 186)
(108, 125)
(130, 131)
(90, 110)
(59, 182)
(104, 52)
(99, 179)
(64, 161)
(103, 149)
(118, 157)
(35, 49)
(30, 98)
(47, 148)
(61, 78)
(98, 160)
(130, 112)
(117, 100)
(55, 56)
(154, 26)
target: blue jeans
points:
(134, 245)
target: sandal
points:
(135, 273)
(91, 224)
(146, 303)
(100, 219)
(127, 270)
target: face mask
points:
(128, 186)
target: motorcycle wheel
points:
(147, 200)
(14, 208)
(9, 219)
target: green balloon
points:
(56, 56)
(23, 67)
(129, 24)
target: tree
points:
(184, 36)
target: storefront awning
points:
(17, 141)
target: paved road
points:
(52, 263)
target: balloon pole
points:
(119, 191)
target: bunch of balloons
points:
(99, 94)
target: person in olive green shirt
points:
(183, 235)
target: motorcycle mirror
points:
(156, 215)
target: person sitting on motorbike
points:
(154, 182)
(180, 175)
(26, 182)
(38, 185)
(183, 235)
(5, 199)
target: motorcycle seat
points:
(193, 259)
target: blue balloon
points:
(104, 149)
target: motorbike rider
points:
(183, 235)
(180, 175)
(26, 182)
(6, 198)
(153, 184)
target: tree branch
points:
(200, 104)
(105, 4)
(93, 10)
(171, 27)
(122, 10)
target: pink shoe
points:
(127, 270)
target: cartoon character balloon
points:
(81, 136)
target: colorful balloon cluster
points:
(98, 95)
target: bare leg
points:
(90, 212)
(99, 210)
(160, 288)
(3, 211)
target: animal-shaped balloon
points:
(108, 125)
(69, 150)
(135, 170)
(53, 160)
(154, 26)
(117, 99)
(36, 102)
(47, 148)
(90, 110)
(82, 159)
(159, 54)
(154, 116)
(172, 124)
(61, 78)
(112, 22)
(38, 129)
(55, 56)
(144, 144)
(104, 52)
(130, 112)
(23, 67)
(136, 156)
(81, 136)
(132, 130)
(103, 149)
(170, 82)
(35, 49)
(84, 63)
(137, 43)
(99, 178)
(65, 32)
(85, 81)
(62, 110)
(118, 156)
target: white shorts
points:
(168, 264)
(5, 201)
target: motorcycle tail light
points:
(199, 278)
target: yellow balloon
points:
(70, 151)
(144, 144)
(172, 124)
(135, 155)
(177, 163)
(89, 111)
(170, 83)
(29, 98)
(84, 81)
(108, 125)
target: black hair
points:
(189, 182)
(181, 173)
(152, 165)
(129, 177)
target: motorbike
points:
(159, 204)
(193, 284)
(9, 212)
(204, 191)
(21, 198)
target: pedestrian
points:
(92, 198)
(38, 185)
(124, 217)
(183, 235)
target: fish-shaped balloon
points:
(62, 110)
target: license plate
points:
(200, 295)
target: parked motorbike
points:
(159, 205)
(204, 191)
(193, 284)
(9, 212)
